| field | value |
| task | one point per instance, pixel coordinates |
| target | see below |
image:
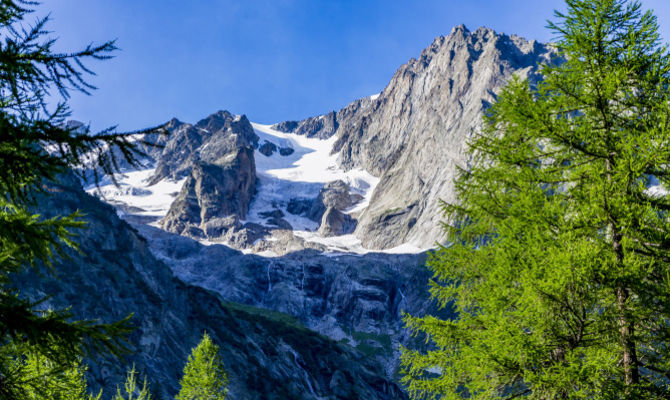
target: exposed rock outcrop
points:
(216, 156)
(335, 223)
(357, 299)
(322, 127)
(299, 206)
(211, 191)
(415, 139)
(267, 148)
(286, 151)
(335, 195)
(413, 135)
(210, 140)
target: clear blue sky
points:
(272, 60)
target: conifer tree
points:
(131, 391)
(204, 375)
(45, 380)
(557, 259)
(35, 147)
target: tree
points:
(46, 380)
(204, 375)
(557, 258)
(130, 389)
(35, 147)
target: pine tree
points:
(35, 147)
(557, 258)
(204, 375)
(130, 389)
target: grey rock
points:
(211, 191)
(357, 299)
(276, 218)
(336, 223)
(243, 236)
(272, 214)
(336, 195)
(286, 151)
(280, 223)
(322, 126)
(299, 206)
(267, 148)
(286, 126)
(210, 140)
(217, 227)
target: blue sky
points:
(272, 60)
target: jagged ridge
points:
(413, 135)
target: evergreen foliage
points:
(204, 375)
(35, 147)
(557, 259)
(130, 389)
(46, 380)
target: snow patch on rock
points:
(134, 196)
(301, 175)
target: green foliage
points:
(557, 259)
(42, 379)
(35, 147)
(204, 375)
(130, 389)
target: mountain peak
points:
(462, 29)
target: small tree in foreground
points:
(131, 391)
(558, 254)
(204, 375)
(45, 380)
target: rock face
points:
(217, 157)
(336, 223)
(268, 355)
(210, 140)
(322, 127)
(213, 191)
(267, 148)
(357, 299)
(413, 135)
(335, 195)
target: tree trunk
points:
(626, 327)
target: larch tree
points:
(35, 147)
(131, 390)
(45, 380)
(557, 255)
(205, 377)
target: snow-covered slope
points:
(135, 197)
(282, 178)
(301, 175)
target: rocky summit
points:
(413, 135)
(298, 246)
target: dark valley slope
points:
(268, 355)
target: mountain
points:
(298, 245)
(412, 136)
(268, 355)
